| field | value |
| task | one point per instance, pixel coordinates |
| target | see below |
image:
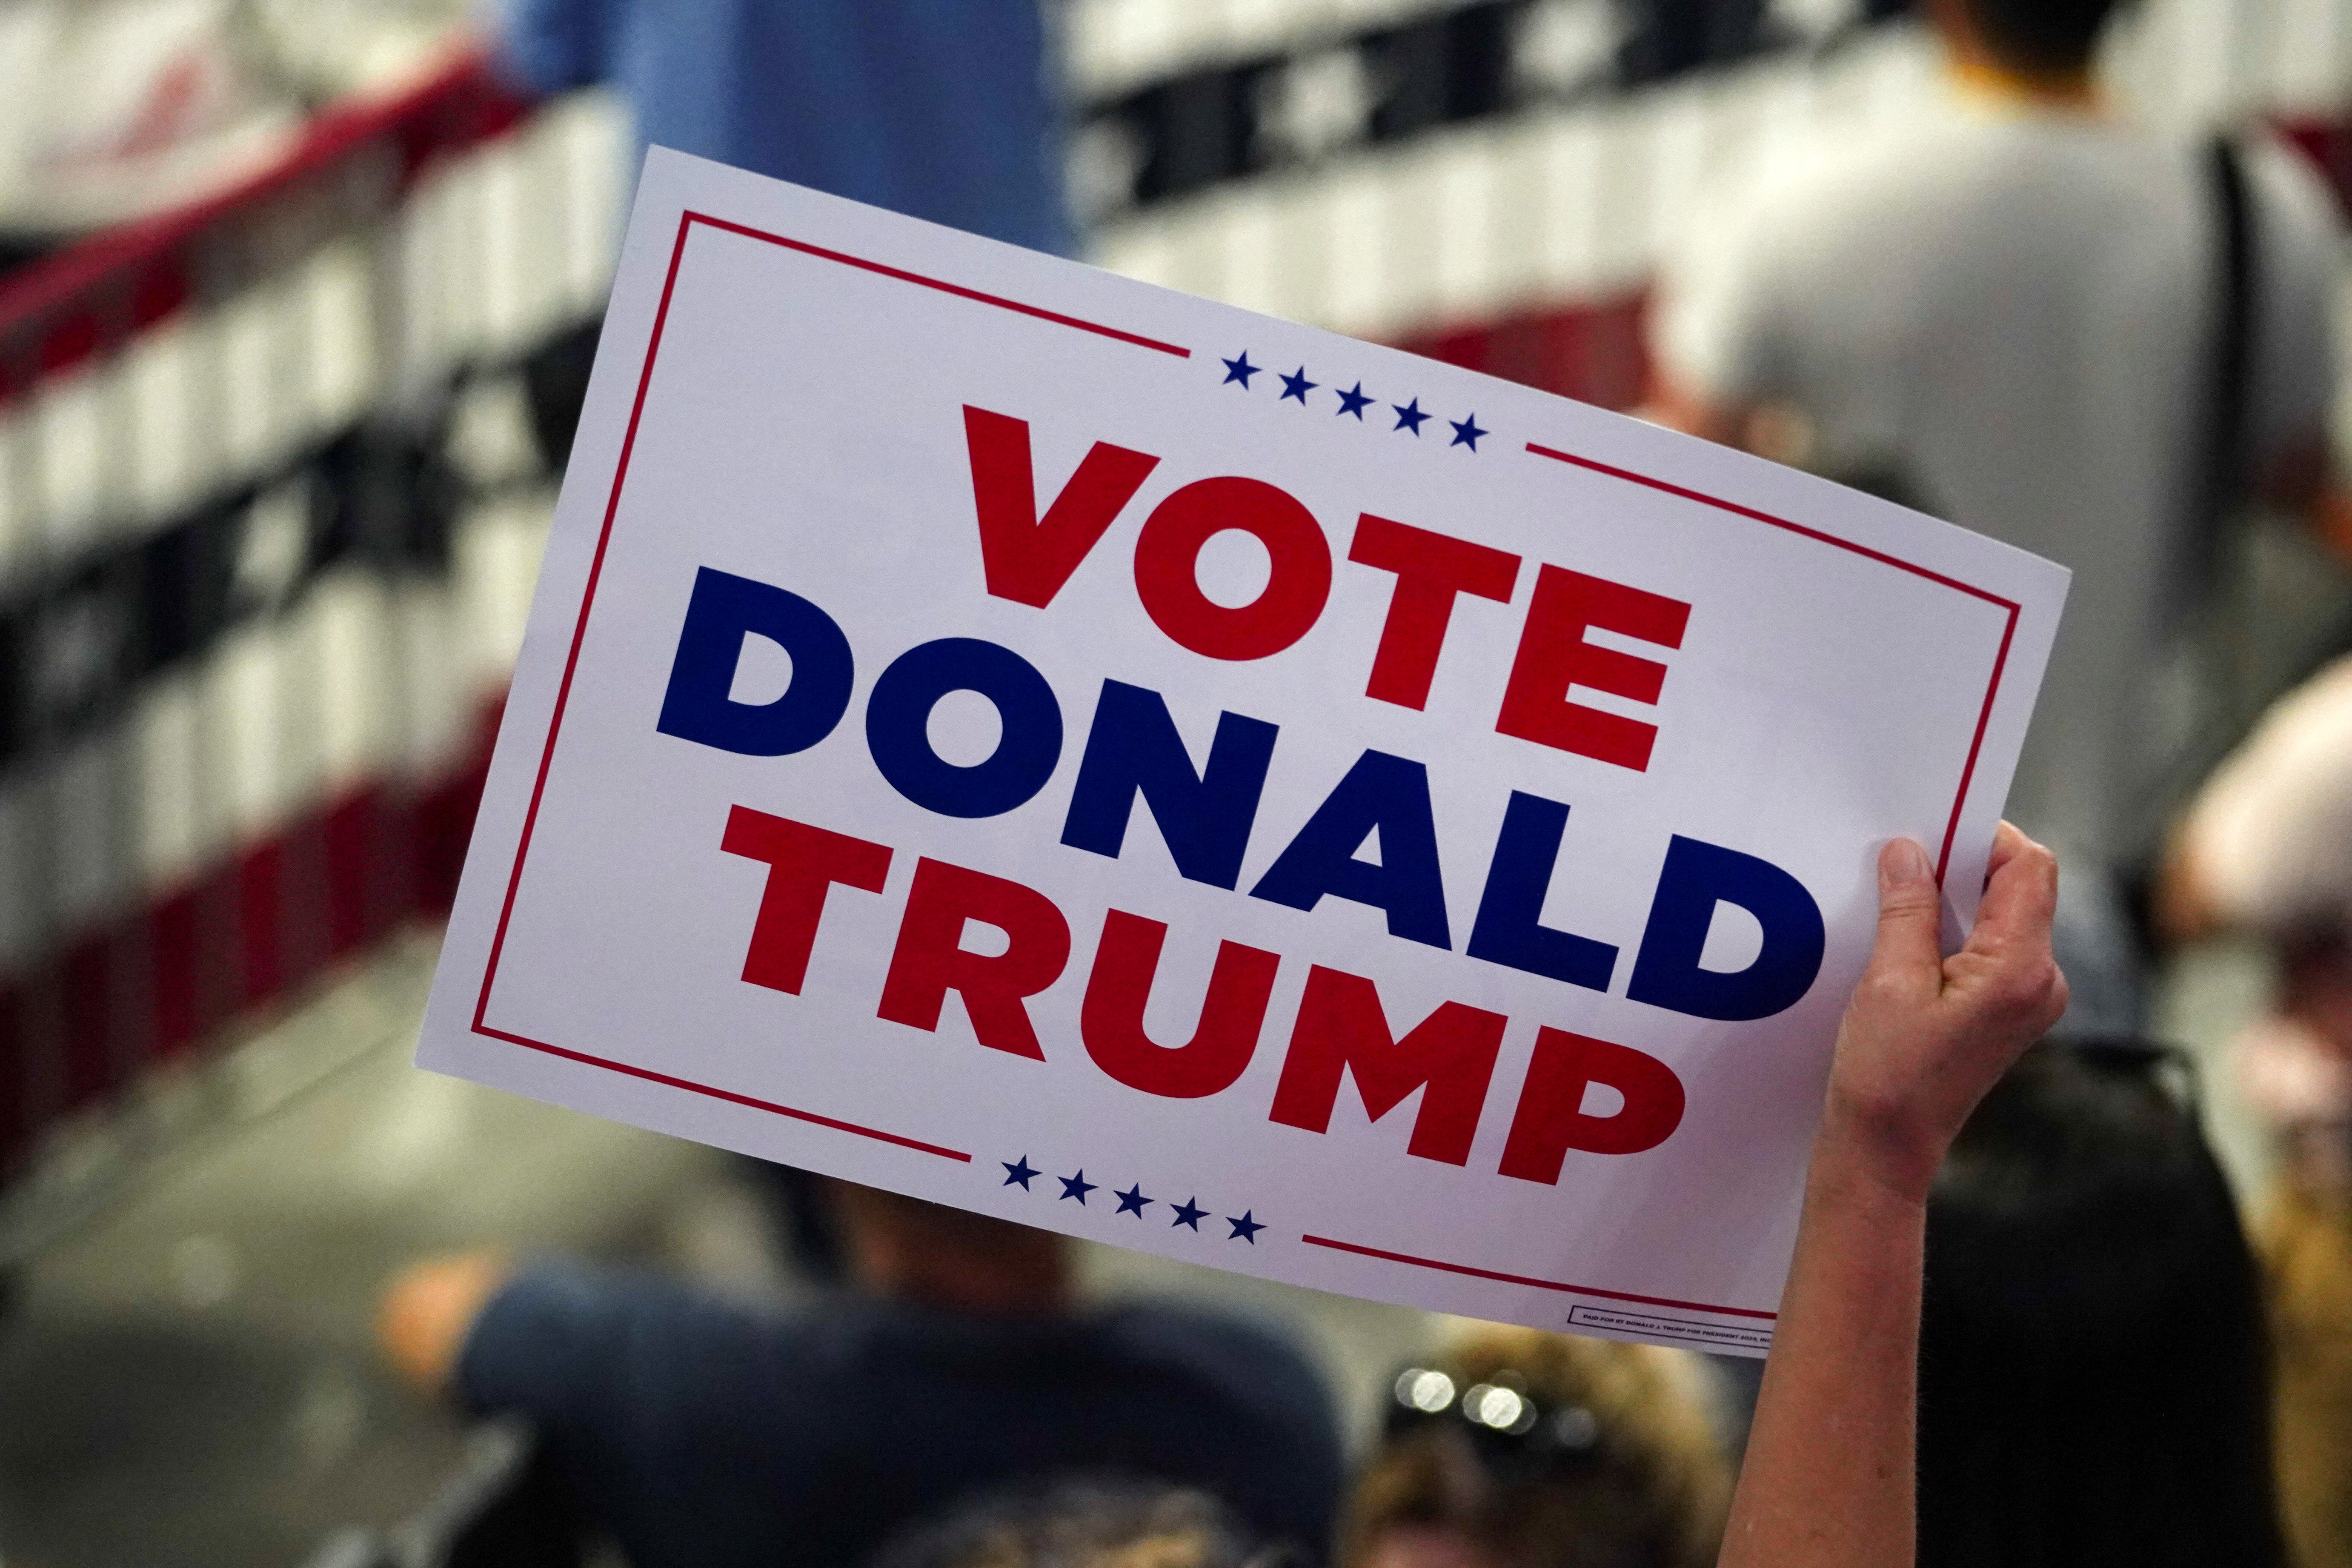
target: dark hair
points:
(1081, 1522)
(2050, 36)
(2094, 1382)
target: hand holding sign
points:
(1926, 1036)
(1828, 1476)
(976, 725)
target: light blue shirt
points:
(936, 109)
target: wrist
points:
(1872, 1150)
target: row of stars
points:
(1355, 400)
(1190, 1214)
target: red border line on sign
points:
(1750, 512)
(2000, 659)
(1408, 1257)
(580, 631)
(725, 1094)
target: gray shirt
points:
(2013, 310)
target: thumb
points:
(1910, 912)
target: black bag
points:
(2205, 593)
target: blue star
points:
(1189, 1213)
(1075, 1186)
(1295, 385)
(1467, 432)
(1355, 401)
(1239, 370)
(1244, 1228)
(1409, 415)
(1018, 1171)
(1132, 1201)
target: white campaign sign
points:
(1019, 737)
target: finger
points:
(1910, 910)
(2008, 842)
(2021, 898)
(2053, 1001)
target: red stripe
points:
(728, 1095)
(1595, 351)
(86, 1019)
(958, 290)
(173, 931)
(354, 838)
(1407, 1258)
(261, 908)
(16, 1065)
(192, 945)
(442, 824)
(82, 978)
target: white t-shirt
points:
(2013, 310)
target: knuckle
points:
(1907, 904)
(1887, 996)
(2053, 1005)
(2022, 991)
(1883, 989)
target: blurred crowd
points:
(2013, 307)
(2094, 1389)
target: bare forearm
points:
(1828, 1480)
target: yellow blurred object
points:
(2308, 1255)
(430, 1309)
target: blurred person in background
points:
(946, 112)
(2267, 849)
(1521, 1450)
(2094, 1384)
(1083, 1522)
(701, 1432)
(942, 113)
(2014, 310)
